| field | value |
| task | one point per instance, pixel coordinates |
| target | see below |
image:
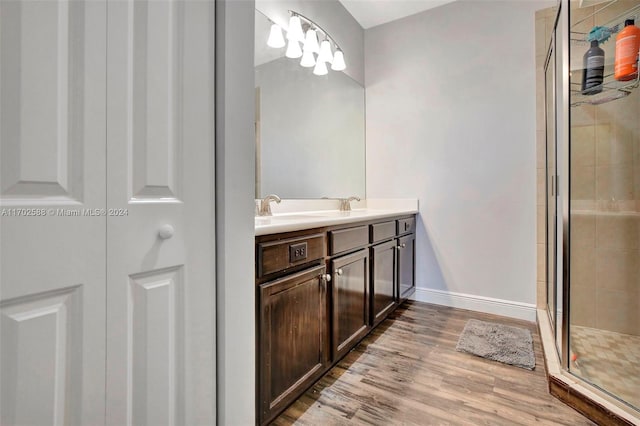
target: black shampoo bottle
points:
(593, 72)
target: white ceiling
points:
(370, 13)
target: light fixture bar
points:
(315, 26)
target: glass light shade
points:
(293, 49)
(338, 61)
(295, 29)
(308, 60)
(320, 68)
(311, 42)
(275, 37)
(325, 52)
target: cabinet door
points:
(383, 281)
(52, 180)
(350, 301)
(293, 332)
(406, 266)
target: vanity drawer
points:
(347, 239)
(406, 226)
(383, 231)
(275, 256)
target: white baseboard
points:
(507, 308)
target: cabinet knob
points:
(401, 246)
(165, 232)
(326, 277)
(339, 271)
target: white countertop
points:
(299, 220)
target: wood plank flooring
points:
(408, 372)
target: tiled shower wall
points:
(605, 201)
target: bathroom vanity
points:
(323, 282)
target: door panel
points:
(44, 82)
(383, 280)
(350, 300)
(161, 293)
(156, 309)
(292, 338)
(406, 266)
(156, 35)
(41, 342)
(52, 204)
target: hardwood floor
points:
(407, 371)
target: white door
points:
(52, 226)
(160, 276)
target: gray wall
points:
(333, 18)
(235, 150)
(450, 103)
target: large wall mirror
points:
(310, 134)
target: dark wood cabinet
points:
(350, 296)
(319, 292)
(293, 335)
(383, 281)
(406, 258)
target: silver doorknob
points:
(339, 271)
(327, 277)
(165, 232)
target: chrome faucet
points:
(345, 203)
(265, 205)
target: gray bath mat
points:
(503, 343)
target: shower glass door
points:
(604, 258)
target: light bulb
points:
(293, 49)
(295, 29)
(311, 42)
(320, 68)
(338, 61)
(325, 52)
(275, 37)
(308, 59)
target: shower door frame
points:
(557, 268)
(558, 185)
(551, 195)
(564, 186)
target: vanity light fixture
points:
(295, 29)
(320, 68)
(311, 42)
(308, 60)
(276, 40)
(338, 61)
(325, 54)
(293, 50)
(304, 30)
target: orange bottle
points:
(627, 48)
